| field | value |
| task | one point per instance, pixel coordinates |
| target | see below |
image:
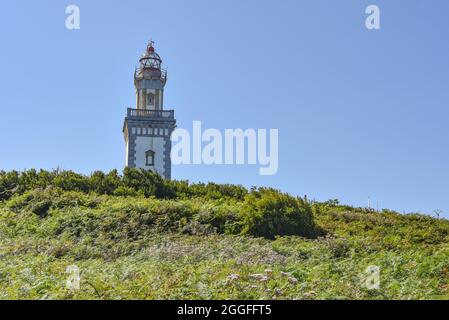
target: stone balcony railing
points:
(151, 114)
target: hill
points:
(137, 236)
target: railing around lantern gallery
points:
(142, 113)
(150, 73)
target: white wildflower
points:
(293, 280)
(260, 277)
(234, 276)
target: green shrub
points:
(339, 248)
(71, 181)
(123, 191)
(105, 183)
(9, 184)
(40, 201)
(149, 183)
(133, 182)
(159, 239)
(269, 213)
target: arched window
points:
(149, 155)
(150, 99)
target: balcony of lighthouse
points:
(146, 114)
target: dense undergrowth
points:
(137, 236)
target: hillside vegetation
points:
(137, 236)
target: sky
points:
(361, 113)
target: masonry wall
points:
(156, 144)
(143, 135)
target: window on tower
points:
(149, 155)
(150, 99)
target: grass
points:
(139, 247)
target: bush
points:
(149, 183)
(105, 183)
(125, 192)
(71, 181)
(133, 182)
(269, 213)
(131, 245)
(9, 184)
(339, 248)
(231, 209)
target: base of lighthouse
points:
(147, 138)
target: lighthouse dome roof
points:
(150, 59)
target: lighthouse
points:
(148, 126)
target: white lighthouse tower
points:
(148, 127)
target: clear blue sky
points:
(360, 113)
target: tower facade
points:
(148, 126)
